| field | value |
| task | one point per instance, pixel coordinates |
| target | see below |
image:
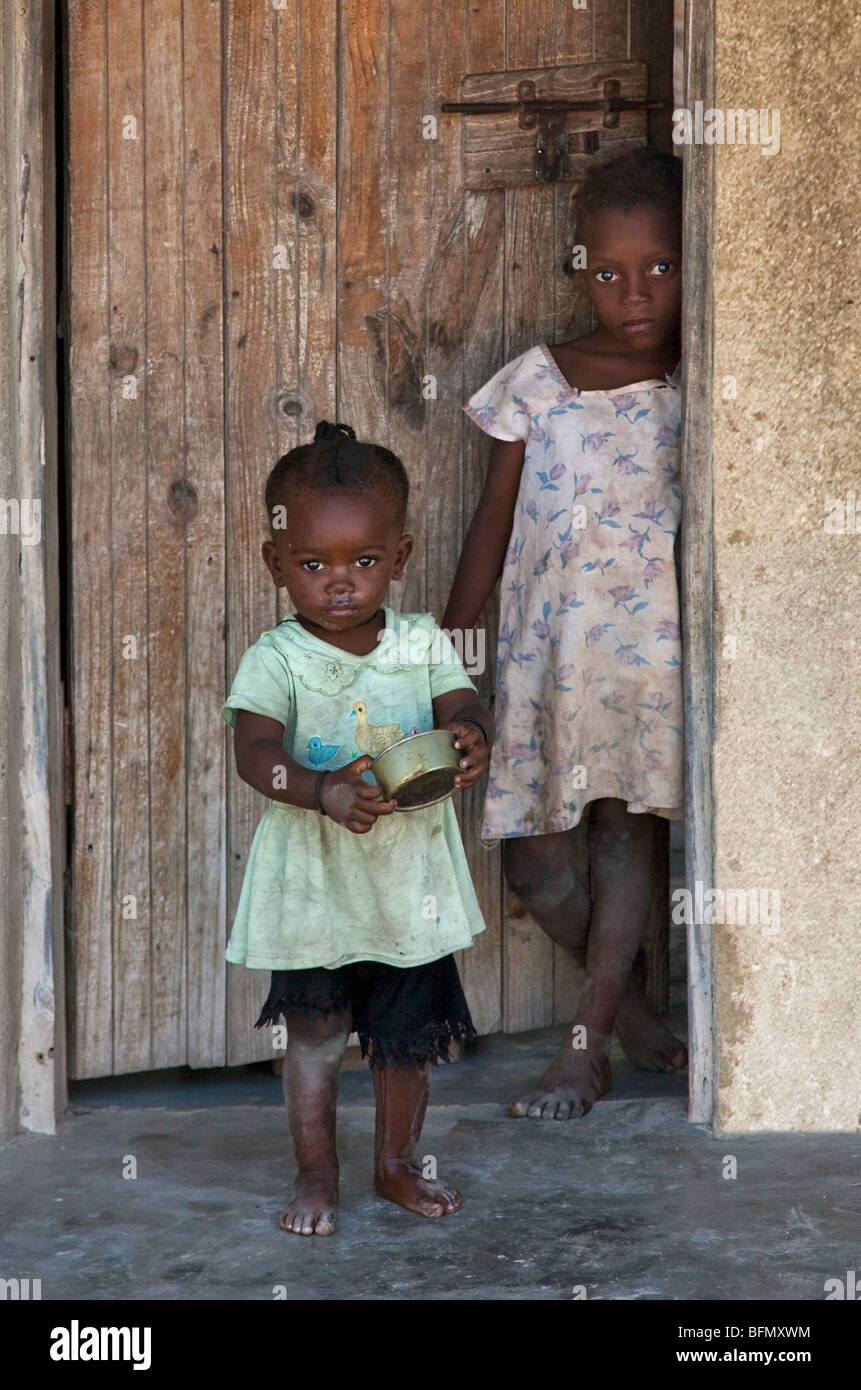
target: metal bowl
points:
(419, 770)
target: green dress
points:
(315, 894)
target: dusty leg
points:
(402, 1099)
(620, 856)
(645, 1040)
(540, 869)
(315, 1048)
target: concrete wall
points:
(787, 781)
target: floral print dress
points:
(589, 677)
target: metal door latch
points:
(548, 117)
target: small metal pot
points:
(420, 770)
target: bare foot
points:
(575, 1079)
(647, 1042)
(315, 1202)
(655, 1050)
(401, 1182)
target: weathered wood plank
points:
(443, 311)
(610, 28)
(90, 966)
(251, 446)
(291, 206)
(169, 503)
(316, 219)
(32, 821)
(412, 283)
(126, 311)
(656, 937)
(362, 234)
(205, 771)
(650, 37)
(484, 245)
(573, 39)
(529, 318)
(446, 517)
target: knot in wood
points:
(123, 357)
(303, 203)
(182, 500)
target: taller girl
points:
(579, 517)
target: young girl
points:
(579, 516)
(356, 910)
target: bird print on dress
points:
(320, 752)
(373, 738)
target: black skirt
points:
(404, 1015)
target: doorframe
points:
(697, 597)
(33, 1087)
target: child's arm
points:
(454, 711)
(262, 762)
(486, 540)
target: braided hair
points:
(637, 177)
(338, 460)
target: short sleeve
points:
(263, 685)
(447, 671)
(498, 407)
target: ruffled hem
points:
(391, 1034)
(490, 836)
(432, 1045)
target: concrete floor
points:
(629, 1202)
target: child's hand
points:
(351, 802)
(470, 739)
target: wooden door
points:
(260, 236)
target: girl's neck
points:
(598, 362)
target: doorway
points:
(262, 233)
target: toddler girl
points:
(354, 909)
(579, 516)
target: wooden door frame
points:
(697, 552)
(32, 831)
(32, 822)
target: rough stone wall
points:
(787, 779)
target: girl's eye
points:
(366, 561)
(600, 274)
(663, 267)
(312, 566)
